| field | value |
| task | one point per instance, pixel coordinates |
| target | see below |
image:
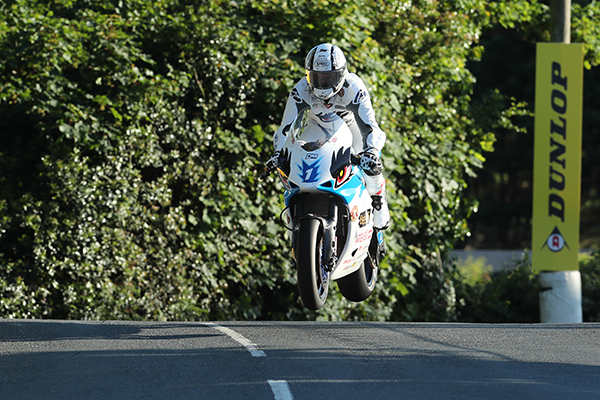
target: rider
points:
(329, 85)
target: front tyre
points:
(313, 277)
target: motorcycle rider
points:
(329, 87)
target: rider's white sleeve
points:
(375, 139)
(359, 102)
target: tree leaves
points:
(134, 134)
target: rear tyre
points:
(313, 277)
(359, 285)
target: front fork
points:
(329, 226)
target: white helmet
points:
(326, 69)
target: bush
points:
(508, 296)
(589, 266)
(512, 294)
(133, 134)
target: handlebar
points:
(267, 172)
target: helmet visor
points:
(324, 80)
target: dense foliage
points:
(511, 295)
(133, 134)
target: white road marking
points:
(281, 390)
(251, 347)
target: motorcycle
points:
(328, 210)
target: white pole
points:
(560, 297)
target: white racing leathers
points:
(353, 104)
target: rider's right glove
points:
(273, 161)
(370, 163)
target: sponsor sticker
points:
(322, 63)
(364, 218)
(354, 214)
(364, 236)
(556, 242)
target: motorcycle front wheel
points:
(313, 277)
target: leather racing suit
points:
(353, 104)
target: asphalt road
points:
(285, 360)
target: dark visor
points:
(324, 80)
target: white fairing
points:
(312, 144)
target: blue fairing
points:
(287, 195)
(346, 192)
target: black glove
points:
(273, 161)
(370, 163)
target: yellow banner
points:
(557, 156)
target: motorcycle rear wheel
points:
(313, 277)
(359, 285)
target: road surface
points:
(297, 360)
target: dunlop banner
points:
(557, 156)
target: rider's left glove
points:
(370, 163)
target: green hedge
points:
(133, 134)
(512, 294)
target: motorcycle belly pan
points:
(348, 263)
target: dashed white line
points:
(281, 390)
(251, 347)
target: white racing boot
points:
(381, 212)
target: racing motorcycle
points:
(328, 210)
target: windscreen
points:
(313, 131)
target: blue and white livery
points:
(329, 210)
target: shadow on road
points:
(134, 360)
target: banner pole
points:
(557, 170)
